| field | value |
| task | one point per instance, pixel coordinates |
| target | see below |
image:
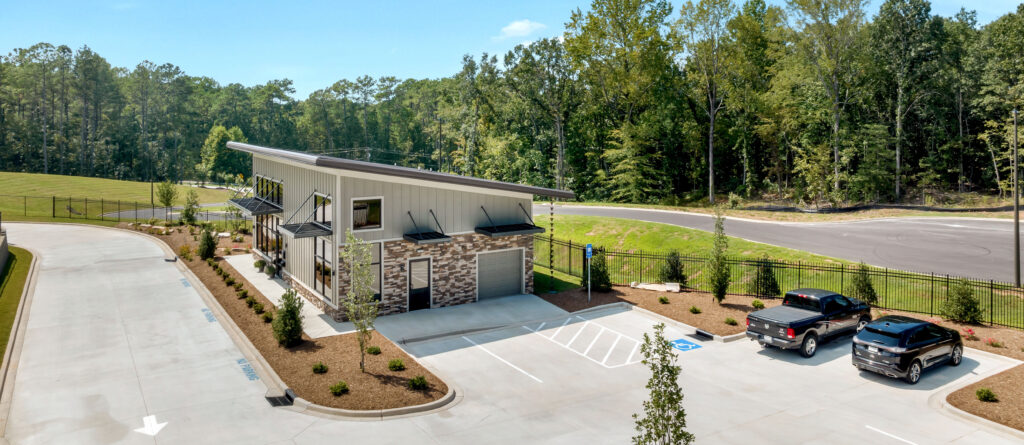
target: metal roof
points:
(393, 170)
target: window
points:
(323, 270)
(366, 214)
(375, 269)
(323, 210)
(268, 189)
(801, 302)
(268, 240)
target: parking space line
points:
(559, 328)
(542, 325)
(502, 360)
(594, 341)
(569, 345)
(889, 435)
(609, 354)
(636, 345)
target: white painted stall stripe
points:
(892, 436)
(502, 360)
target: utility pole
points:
(1016, 206)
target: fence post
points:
(886, 290)
(53, 206)
(86, 208)
(931, 309)
(102, 209)
(570, 257)
(991, 298)
(69, 207)
(118, 210)
(26, 204)
(799, 272)
(136, 211)
(842, 277)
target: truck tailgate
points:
(776, 320)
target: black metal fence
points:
(64, 207)
(924, 293)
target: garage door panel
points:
(499, 273)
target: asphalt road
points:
(971, 247)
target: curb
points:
(450, 399)
(719, 338)
(15, 343)
(938, 402)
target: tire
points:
(809, 346)
(863, 322)
(914, 373)
(957, 356)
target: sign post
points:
(590, 253)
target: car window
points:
(937, 332)
(845, 302)
(832, 306)
(924, 334)
(800, 302)
(879, 337)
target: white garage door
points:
(499, 273)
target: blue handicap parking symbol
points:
(684, 345)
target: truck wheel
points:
(809, 346)
(957, 356)
(914, 373)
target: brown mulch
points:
(377, 388)
(1007, 385)
(711, 319)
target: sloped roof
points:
(397, 171)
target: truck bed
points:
(784, 315)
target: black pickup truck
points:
(806, 317)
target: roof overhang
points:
(396, 171)
(255, 206)
(509, 230)
(427, 238)
(304, 230)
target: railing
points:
(63, 207)
(924, 293)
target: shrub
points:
(672, 269)
(229, 280)
(396, 364)
(268, 317)
(757, 304)
(764, 283)
(993, 343)
(718, 269)
(259, 265)
(418, 383)
(207, 245)
(243, 293)
(663, 299)
(270, 269)
(961, 305)
(238, 286)
(288, 322)
(860, 286)
(734, 200)
(599, 280)
(319, 368)
(185, 252)
(211, 262)
(250, 301)
(373, 350)
(730, 321)
(257, 308)
(339, 388)
(694, 310)
(969, 334)
(986, 395)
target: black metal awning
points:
(305, 230)
(427, 237)
(509, 230)
(255, 206)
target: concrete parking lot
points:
(115, 335)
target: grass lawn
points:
(35, 184)
(12, 284)
(630, 235)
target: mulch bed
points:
(377, 388)
(711, 319)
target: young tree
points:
(705, 40)
(860, 286)
(288, 321)
(166, 193)
(360, 306)
(672, 269)
(599, 279)
(764, 283)
(962, 305)
(207, 245)
(664, 419)
(188, 212)
(717, 267)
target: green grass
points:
(12, 284)
(635, 236)
(543, 283)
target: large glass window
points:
(268, 189)
(323, 210)
(268, 240)
(323, 270)
(366, 214)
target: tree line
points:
(637, 101)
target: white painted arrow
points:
(150, 427)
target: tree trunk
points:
(559, 128)
(835, 145)
(711, 155)
(899, 136)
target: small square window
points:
(366, 214)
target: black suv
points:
(902, 347)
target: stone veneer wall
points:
(453, 272)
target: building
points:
(436, 239)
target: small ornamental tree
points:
(672, 269)
(764, 283)
(664, 419)
(860, 286)
(600, 281)
(717, 268)
(166, 193)
(288, 321)
(961, 305)
(207, 245)
(360, 306)
(191, 208)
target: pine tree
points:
(764, 283)
(861, 288)
(664, 419)
(717, 267)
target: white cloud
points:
(520, 28)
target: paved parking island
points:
(115, 336)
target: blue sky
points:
(314, 43)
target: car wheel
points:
(956, 356)
(914, 373)
(863, 322)
(809, 346)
